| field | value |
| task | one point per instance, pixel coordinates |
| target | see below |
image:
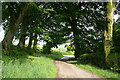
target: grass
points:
(0, 70)
(68, 53)
(95, 70)
(36, 66)
(63, 52)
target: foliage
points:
(81, 24)
(32, 66)
(55, 27)
(92, 59)
(63, 52)
(70, 48)
(79, 19)
(114, 62)
(15, 51)
(47, 48)
(116, 38)
(114, 56)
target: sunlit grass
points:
(39, 66)
(100, 72)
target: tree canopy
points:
(88, 27)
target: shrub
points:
(46, 49)
(16, 52)
(4, 52)
(96, 59)
(114, 61)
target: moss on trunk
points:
(108, 33)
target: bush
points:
(16, 52)
(46, 49)
(114, 61)
(96, 59)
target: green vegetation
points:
(95, 63)
(105, 73)
(37, 65)
(70, 48)
(97, 71)
(93, 59)
(33, 67)
(98, 60)
(86, 26)
(64, 52)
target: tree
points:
(116, 37)
(24, 28)
(13, 27)
(108, 32)
(30, 41)
(78, 17)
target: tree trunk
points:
(23, 33)
(7, 42)
(108, 33)
(30, 40)
(76, 37)
(35, 42)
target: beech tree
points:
(82, 24)
(13, 10)
(108, 32)
(78, 17)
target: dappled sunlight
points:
(37, 36)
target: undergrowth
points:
(95, 63)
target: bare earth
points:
(66, 70)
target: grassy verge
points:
(100, 72)
(63, 52)
(36, 66)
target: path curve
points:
(67, 70)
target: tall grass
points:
(98, 71)
(36, 66)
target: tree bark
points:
(23, 33)
(35, 42)
(30, 40)
(7, 42)
(108, 33)
(76, 36)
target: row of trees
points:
(82, 24)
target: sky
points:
(1, 33)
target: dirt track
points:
(66, 70)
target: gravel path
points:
(67, 70)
